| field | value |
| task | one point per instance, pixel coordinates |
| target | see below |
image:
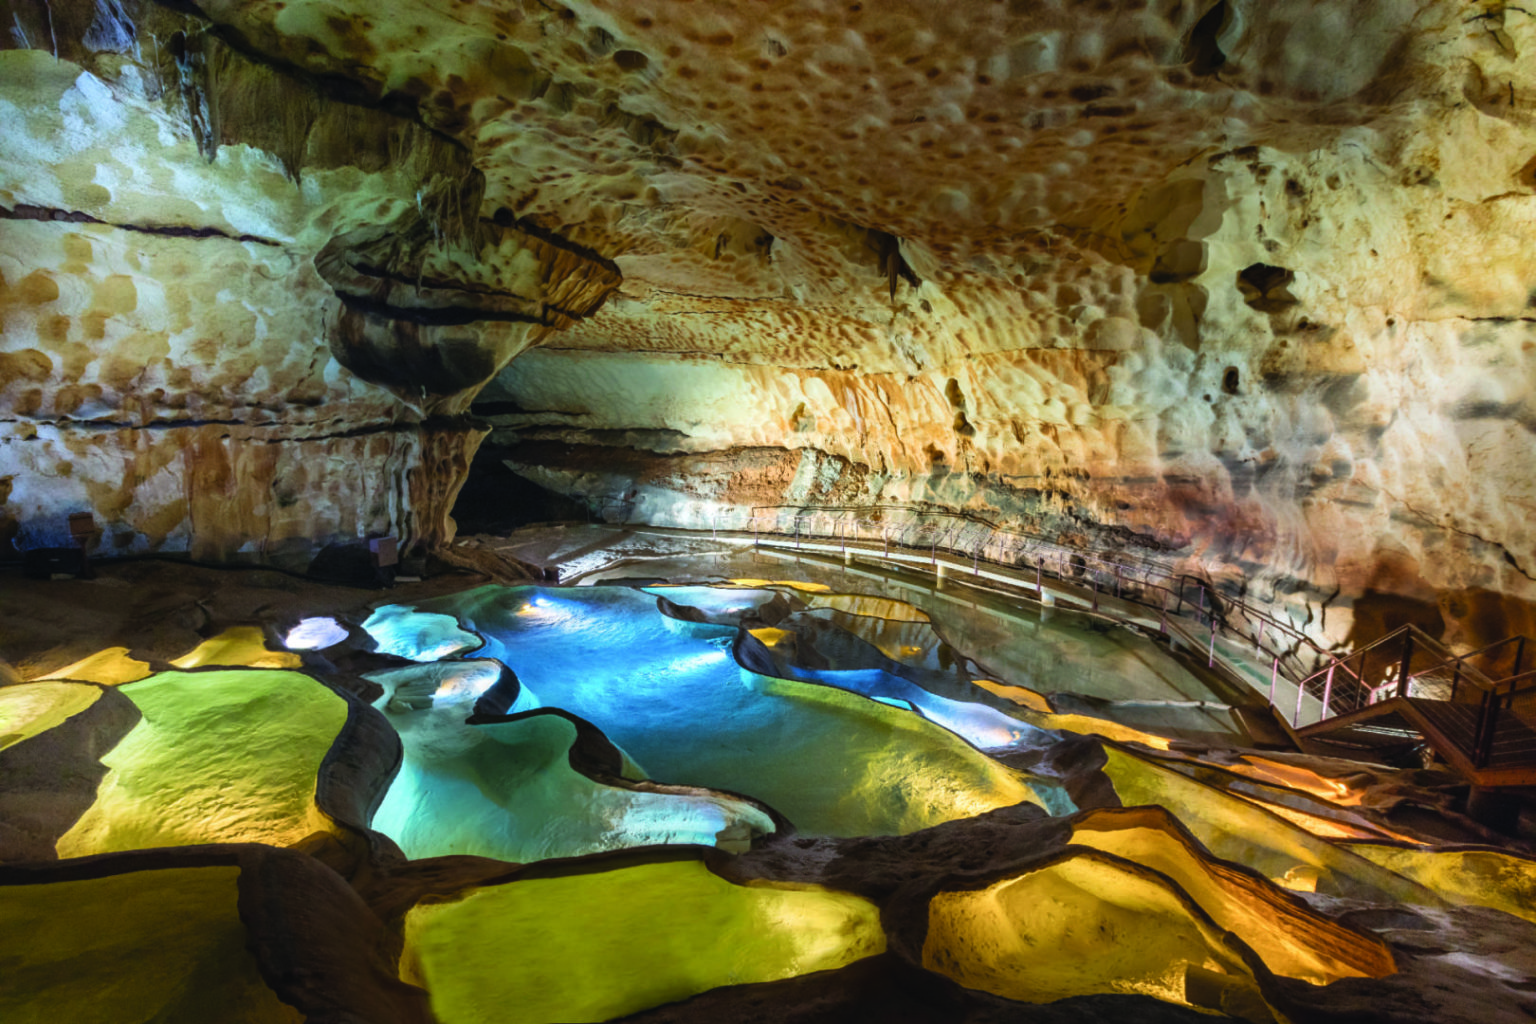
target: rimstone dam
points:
(775, 511)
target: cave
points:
(656, 511)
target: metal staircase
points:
(1406, 689)
(1385, 700)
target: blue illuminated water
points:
(671, 694)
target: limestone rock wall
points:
(1272, 317)
(242, 318)
(1246, 284)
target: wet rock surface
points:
(329, 919)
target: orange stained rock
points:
(810, 588)
(1037, 712)
(1088, 923)
(1241, 831)
(1335, 790)
(1319, 825)
(1292, 939)
(1325, 817)
(1020, 695)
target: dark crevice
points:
(436, 283)
(1266, 288)
(1433, 521)
(1202, 52)
(499, 407)
(431, 423)
(99, 424)
(631, 60)
(507, 219)
(26, 211)
(888, 248)
(451, 316)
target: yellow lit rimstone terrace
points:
(1487, 878)
(1083, 925)
(591, 947)
(109, 668)
(240, 645)
(33, 708)
(1291, 939)
(165, 945)
(219, 756)
(1238, 830)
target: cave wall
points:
(1290, 343)
(1241, 285)
(1366, 424)
(242, 317)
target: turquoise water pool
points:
(845, 756)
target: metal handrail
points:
(1406, 679)
(1285, 642)
(1340, 684)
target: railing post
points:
(1455, 679)
(1180, 606)
(1327, 692)
(1487, 724)
(1301, 690)
(1163, 625)
(1117, 579)
(1274, 675)
(1095, 582)
(1519, 654)
(1210, 661)
(797, 533)
(1402, 675)
(1039, 592)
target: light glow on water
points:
(468, 685)
(694, 662)
(315, 634)
(403, 631)
(834, 761)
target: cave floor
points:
(1130, 796)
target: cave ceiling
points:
(1247, 283)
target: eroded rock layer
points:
(243, 311)
(1240, 284)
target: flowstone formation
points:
(726, 800)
